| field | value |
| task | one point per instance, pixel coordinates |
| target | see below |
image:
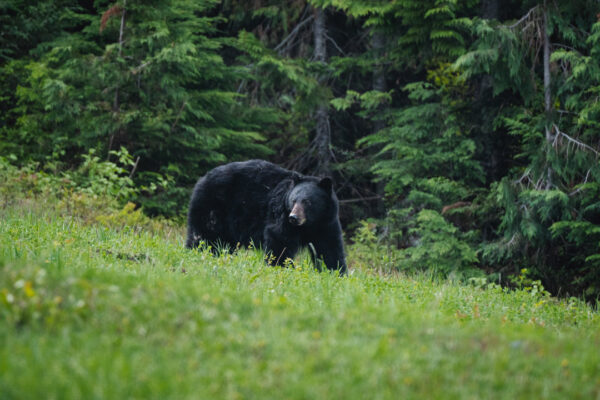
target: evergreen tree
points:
(549, 206)
(146, 75)
(425, 156)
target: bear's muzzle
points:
(297, 216)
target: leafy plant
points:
(439, 246)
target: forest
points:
(463, 136)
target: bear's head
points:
(309, 201)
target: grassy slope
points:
(92, 312)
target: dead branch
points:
(526, 175)
(335, 44)
(122, 28)
(587, 175)
(140, 67)
(572, 140)
(111, 12)
(523, 18)
(458, 204)
(137, 160)
(293, 33)
(178, 116)
(360, 199)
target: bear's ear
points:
(296, 178)
(326, 184)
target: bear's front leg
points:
(279, 244)
(329, 247)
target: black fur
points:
(250, 202)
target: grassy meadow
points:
(92, 309)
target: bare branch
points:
(293, 33)
(360, 199)
(335, 44)
(140, 67)
(526, 175)
(574, 141)
(566, 47)
(512, 240)
(565, 112)
(523, 18)
(122, 28)
(587, 175)
(543, 184)
(134, 167)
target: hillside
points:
(97, 310)
(464, 133)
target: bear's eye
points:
(306, 202)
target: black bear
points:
(261, 203)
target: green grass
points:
(90, 312)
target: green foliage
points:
(440, 246)
(436, 245)
(367, 101)
(525, 283)
(498, 52)
(103, 178)
(551, 207)
(97, 191)
(131, 218)
(419, 30)
(427, 161)
(370, 252)
(164, 93)
(425, 138)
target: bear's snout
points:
(297, 216)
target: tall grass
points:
(116, 308)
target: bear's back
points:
(236, 198)
(251, 180)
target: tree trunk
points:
(323, 131)
(492, 143)
(380, 85)
(319, 32)
(489, 9)
(116, 107)
(547, 92)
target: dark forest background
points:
(463, 136)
